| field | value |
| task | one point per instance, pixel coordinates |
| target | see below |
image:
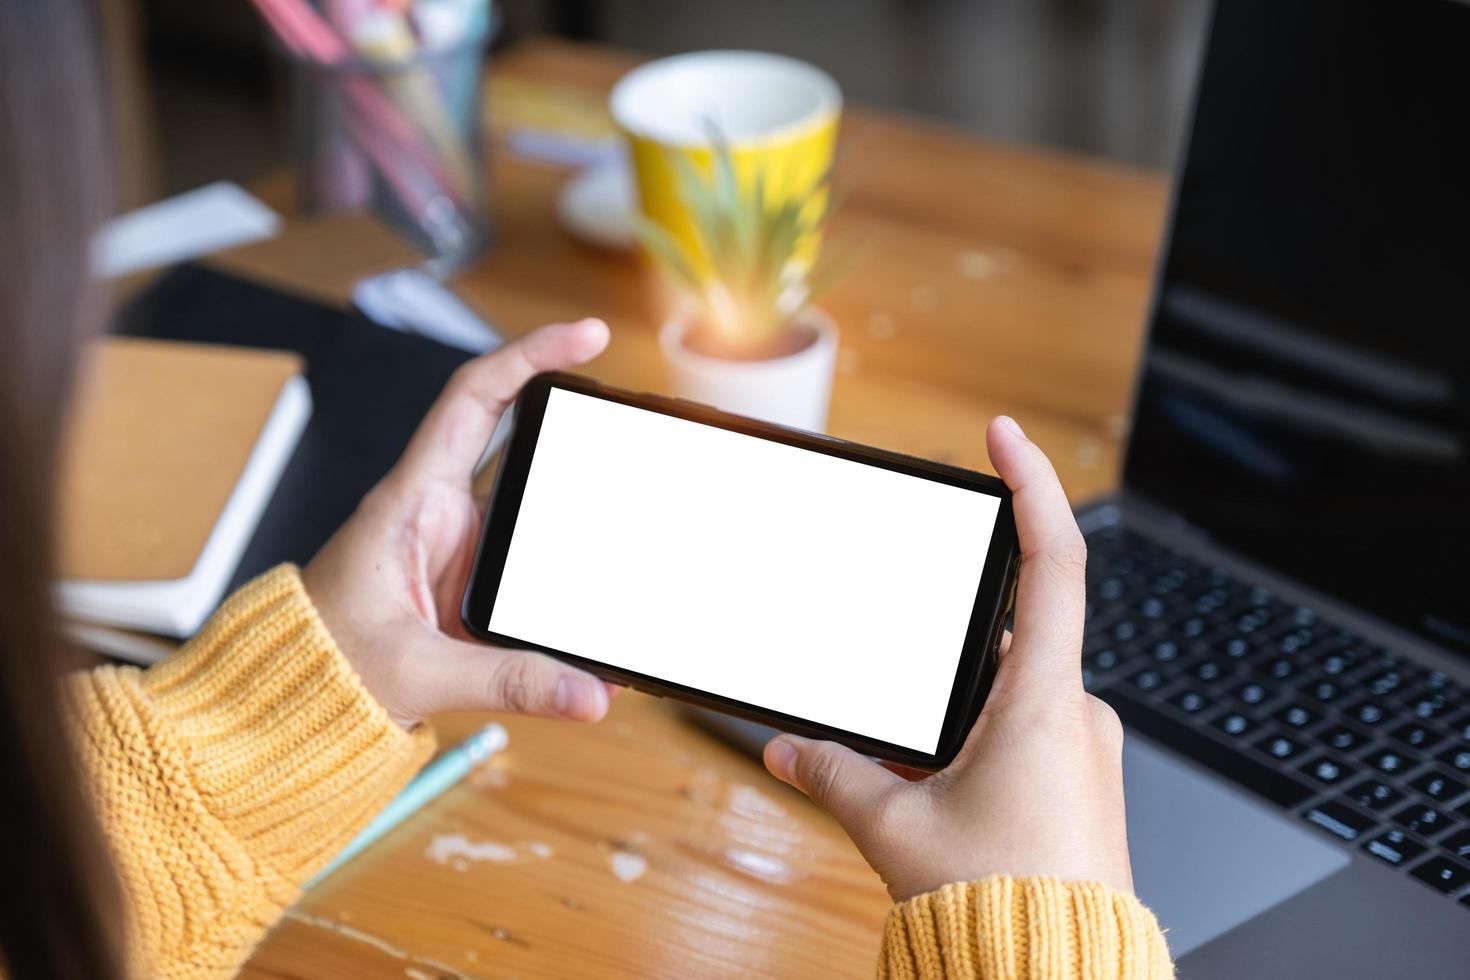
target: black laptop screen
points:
(1305, 398)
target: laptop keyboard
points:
(1351, 737)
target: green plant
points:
(753, 272)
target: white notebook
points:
(173, 454)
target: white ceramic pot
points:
(792, 390)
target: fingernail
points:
(1012, 424)
(575, 698)
(594, 327)
(781, 756)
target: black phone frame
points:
(993, 597)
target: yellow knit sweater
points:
(227, 775)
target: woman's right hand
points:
(1037, 789)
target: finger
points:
(1051, 595)
(1005, 645)
(452, 437)
(471, 676)
(836, 778)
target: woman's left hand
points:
(389, 582)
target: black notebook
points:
(370, 386)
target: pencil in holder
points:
(394, 128)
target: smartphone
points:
(818, 586)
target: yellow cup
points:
(778, 117)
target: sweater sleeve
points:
(1023, 929)
(229, 773)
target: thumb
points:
(1052, 594)
(453, 675)
(453, 435)
(836, 778)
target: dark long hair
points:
(60, 911)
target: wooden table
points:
(991, 279)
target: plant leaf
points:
(668, 254)
(827, 272)
(744, 266)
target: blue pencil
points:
(437, 777)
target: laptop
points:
(1279, 596)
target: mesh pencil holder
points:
(400, 137)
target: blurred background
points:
(1109, 78)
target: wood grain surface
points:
(987, 279)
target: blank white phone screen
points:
(819, 587)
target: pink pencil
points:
(376, 123)
(344, 177)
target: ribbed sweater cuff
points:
(1031, 928)
(283, 742)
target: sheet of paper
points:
(211, 218)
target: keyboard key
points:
(1385, 682)
(1190, 702)
(1394, 847)
(1417, 736)
(1374, 794)
(1388, 657)
(1338, 820)
(1169, 582)
(1165, 652)
(1428, 704)
(1278, 669)
(1125, 631)
(1389, 761)
(1252, 621)
(1440, 681)
(1370, 713)
(1148, 680)
(1458, 844)
(1343, 738)
(1103, 661)
(1193, 627)
(1421, 819)
(1443, 874)
(1461, 728)
(1326, 769)
(1234, 723)
(1237, 648)
(1251, 694)
(1210, 602)
(1457, 758)
(1324, 691)
(1296, 716)
(1335, 663)
(1294, 641)
(1151, 608)
(1262, 778)
(1208, 670)
(1279, 747)
(1438, 786)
